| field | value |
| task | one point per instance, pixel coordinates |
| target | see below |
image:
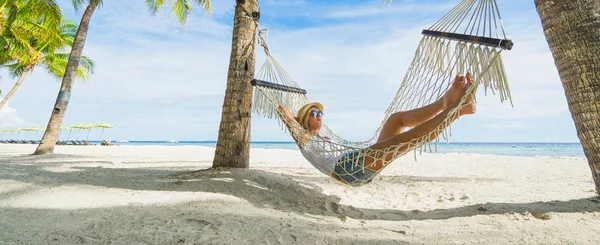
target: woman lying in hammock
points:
(360, 167)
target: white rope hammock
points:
(470, 37)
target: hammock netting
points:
(469, 38)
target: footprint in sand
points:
(541, 215)
(332, 207)
(200, 223)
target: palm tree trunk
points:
(233, 143)
(16, 86)
(571, 29)
(50, 137)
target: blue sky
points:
(157, 80)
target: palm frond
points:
(46, 11)
(4, 50)
(154, 5)
(15, 69)
(11, 16)
(56, 65)
(19, 47)
(207, 5)
(11, 51)
(77, 4)
(86, 68)
(67, 30)
(181, 9)
(24, 29)
(3, 20)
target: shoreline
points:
(505, 149)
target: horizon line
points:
(292, 142)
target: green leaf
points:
(154, 5)
(181, 9)
(15, 70)
(206, 4)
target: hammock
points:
(469, 38)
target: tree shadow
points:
(180, 224)
(268, 190)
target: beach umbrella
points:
(70, 128)
(89, 127)
(103, 126)
(43, 129)
(37, 129)
(61, 129)
(79, 127)
(74, 126)
(12, 131)
(4, 130)
(27, 130)
(18, 132)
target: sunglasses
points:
(314, 113)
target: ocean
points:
(506, 149)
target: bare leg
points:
(399, 120)
(421, 130)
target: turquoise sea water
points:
(508, 149)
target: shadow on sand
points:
(262, 189)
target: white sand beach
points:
(149, 195)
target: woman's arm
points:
(300, 136)
(287, 112)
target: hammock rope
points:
(470, 37)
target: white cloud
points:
(9, 117)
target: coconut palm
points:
(46, 55)
(181, 8)
(22, 21)
(571, 29)
(48, 141)
(233, 143)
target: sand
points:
(166, 195)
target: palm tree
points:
(571, 29)
(233, 143)
(45, 54)
(48, 141)
(22, 21)
(181, 8)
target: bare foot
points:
(454, 94)
(469, 105)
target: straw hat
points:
(304, 113)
